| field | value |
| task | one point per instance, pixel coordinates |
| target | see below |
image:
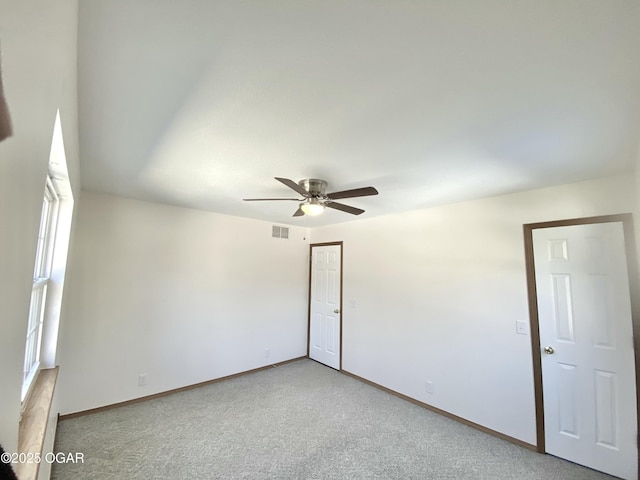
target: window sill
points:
(33, 426)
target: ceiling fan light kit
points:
(312, 207)
(315, 200)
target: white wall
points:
(182, 295)
(38, 54)
(438, 293)
(637, 204)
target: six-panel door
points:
(324, 335)
(586, 343)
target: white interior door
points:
(586, 338)
(324, 334)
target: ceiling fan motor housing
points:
(314, 186)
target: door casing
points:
(340, 244)
(632, 268)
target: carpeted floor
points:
(298, 421)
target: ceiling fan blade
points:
(299, 213)
(263, 199)
(293, 185)
(356, 192)
(344, 208)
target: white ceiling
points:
(200, 103)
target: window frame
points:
(41, 279)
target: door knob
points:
(549, 350)
(337, 310)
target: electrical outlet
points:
(267, 353)
(429, 387)
(522, 328)
(142, 380)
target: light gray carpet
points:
(298, 421)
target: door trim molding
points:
(632, 268)
(324, 244)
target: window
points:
(41, 277)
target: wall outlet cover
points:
(522, 328)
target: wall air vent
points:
(279, 232)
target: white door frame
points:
(632, 267)
(340, 244)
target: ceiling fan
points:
(315, 199)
